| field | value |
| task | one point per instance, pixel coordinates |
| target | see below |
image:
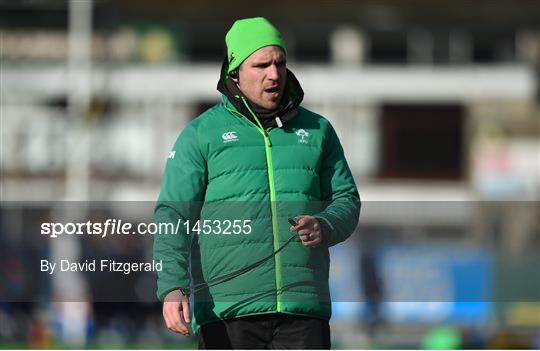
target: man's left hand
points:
(309, 230)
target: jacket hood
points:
(288, 106)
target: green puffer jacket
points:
(225, 168)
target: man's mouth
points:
(273, 92)
(272, 89)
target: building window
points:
(422, 141)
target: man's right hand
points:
(176, 312)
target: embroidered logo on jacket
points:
(171, 154)
(229, 137)
(302, 136)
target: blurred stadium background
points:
(437, 105)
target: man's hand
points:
(309, 230)
(176, 312)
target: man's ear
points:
(234, 76)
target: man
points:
(261, 159)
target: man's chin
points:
(273, 107)
(272, 104)
(269, 105)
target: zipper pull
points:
(278, 122)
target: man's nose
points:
(272, 72)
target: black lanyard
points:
(232, 275)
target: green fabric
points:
(216, 177)
(247, 36)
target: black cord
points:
(232, 275)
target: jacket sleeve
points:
(338, 191)
(180, 198)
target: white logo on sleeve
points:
(171, 154)
(229, 137)
(302, 136)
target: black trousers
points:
(267, 331)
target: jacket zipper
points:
(275, 228)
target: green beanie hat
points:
(247, 36)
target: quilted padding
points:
(220, 173)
